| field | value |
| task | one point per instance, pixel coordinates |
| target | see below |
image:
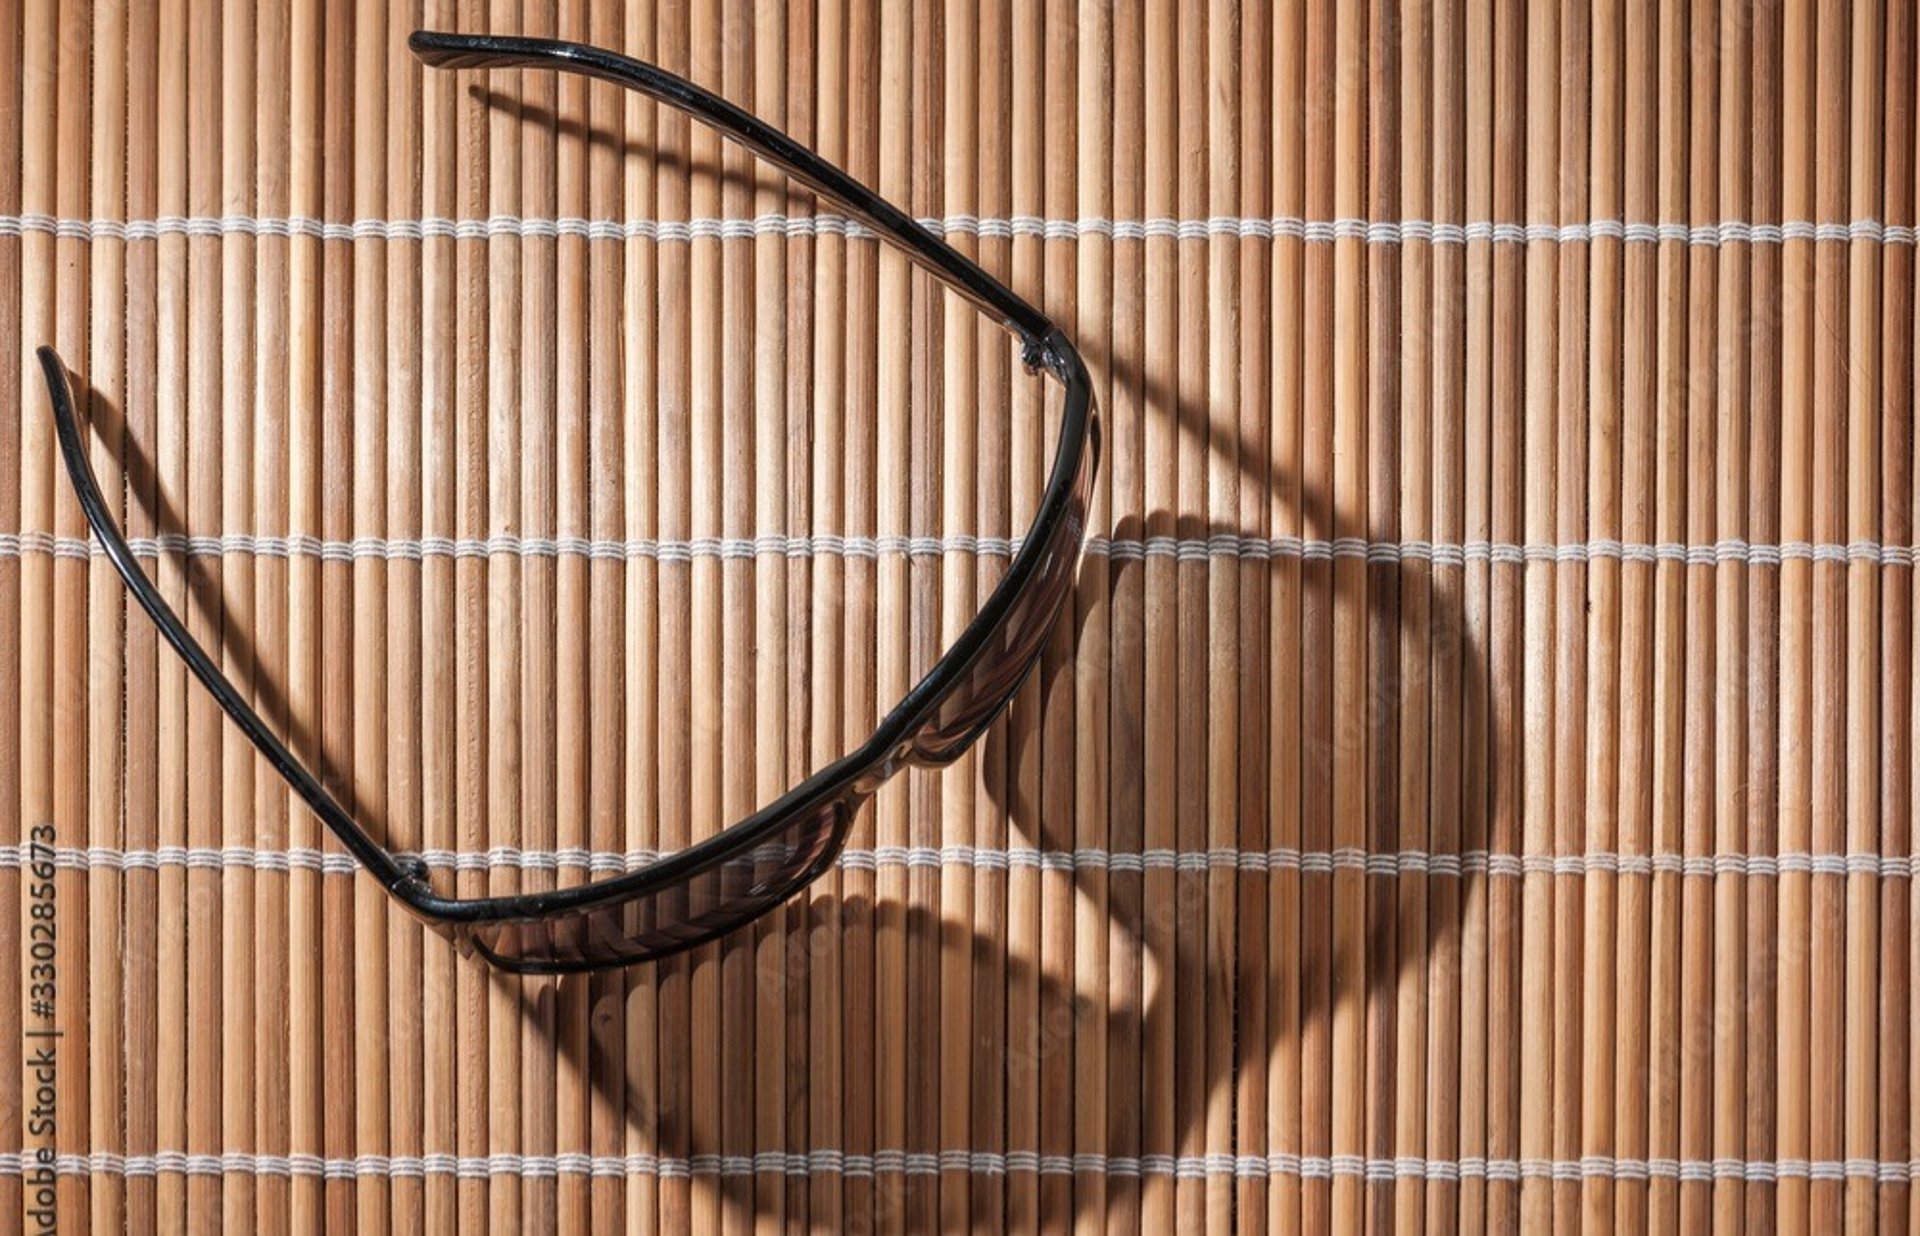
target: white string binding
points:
(828, 1162)
(1727, 552)
(671, 231)
(1404, 863)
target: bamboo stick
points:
(1763, 616)
(739, 651)
(552, 636)
(793, 960)
(1476, 712)
(238, 1095)
(893, 443)
(471, 628)
(1220, 483)
(560, 175)
(304, 278)
(1349, 740)
(1316, 625)
(444, 267)
(600, 514)
(1638, 474)
(1420, 633)
(989, 1055)
(1027, 1040)
(500, 810)
(169, 451)
(38, 271)
(1091, 994)
(1193, 1078)
(1894, 1136)
(372, 1072)
(1667, 1014)
(1605, 501)
(797, 321)
(1900, 209)
(1287, 507)
(1794, 1058)
(203, 601)
(1251, 1041)
(1596, 785)
(641, 330)
(829, 419)
(1127, 925)
(1514, 495)
(1899, 196)
(1731, 586)
(859, 694)
(1536, 743)
(405, 346)
(1573, 736)
(1828, 991)
(336, 626)
(1866, 127)
(1159, 1131)
(924, 341)
(67, 745)
(712, 1050)
(106, 629)
(1381, 519)
(140, 701)
(960, 493)
(20, 255)
(772, 482)
(1453, 664)
(673, 470)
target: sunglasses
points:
(734, 877)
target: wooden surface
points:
(1474, 790)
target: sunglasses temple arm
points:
(1043, 344)
(388, 870)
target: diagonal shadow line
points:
(205, 599)
(532, 114)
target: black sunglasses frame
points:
(838, 789)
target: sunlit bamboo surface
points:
(1473, 789)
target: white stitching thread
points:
(1316, 231)
(1408, 862)
(893, 1162)
(1730, 551)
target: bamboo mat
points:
(1474, 789)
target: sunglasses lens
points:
(996, 673)
(704, 905)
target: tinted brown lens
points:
(705, 905)
(996, 673)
